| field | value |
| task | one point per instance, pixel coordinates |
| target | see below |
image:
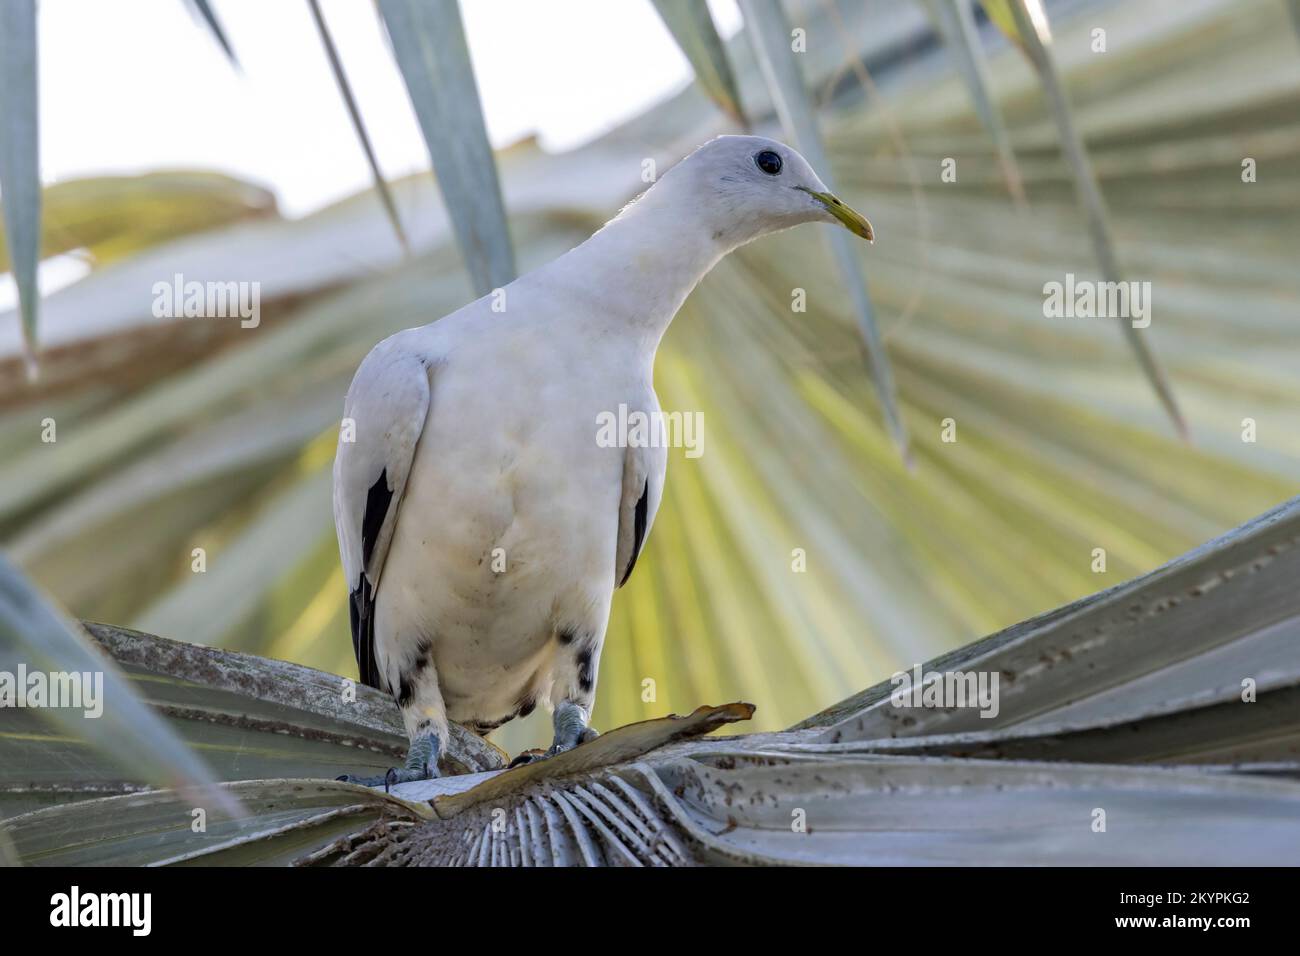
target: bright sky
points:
(132, 86)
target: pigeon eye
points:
(768, 161)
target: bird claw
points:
(364, 781)
(558, 746)
(527, 757)
(421, 764)
(392, 778)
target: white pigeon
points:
(482, 524)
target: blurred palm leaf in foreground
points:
(19, 157)
(174, 436)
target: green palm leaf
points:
(37, 638)
(428, 40)
(769, 35)
(692, 27)
(20, 175)
(1032, 33)
(354, 114)
(114, 217)
(203, 10)
(956, 24)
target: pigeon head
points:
(749, 186)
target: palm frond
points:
(428, 41)
(354, 114)
(20, 174)
(956, 24)
(1116, 743)
(770, 36)
(204, 12)
(1032, 34)
(107, 720)
(692, 26)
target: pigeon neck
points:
(649, 259)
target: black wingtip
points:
(639, 521)
(361, 614)
(378, 498)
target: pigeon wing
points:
(383, 418)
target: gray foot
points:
(570, 730)
(421, 764)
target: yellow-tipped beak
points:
(854, 222)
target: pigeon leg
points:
(570, 730)
(421, 764)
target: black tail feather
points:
(361, 612)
